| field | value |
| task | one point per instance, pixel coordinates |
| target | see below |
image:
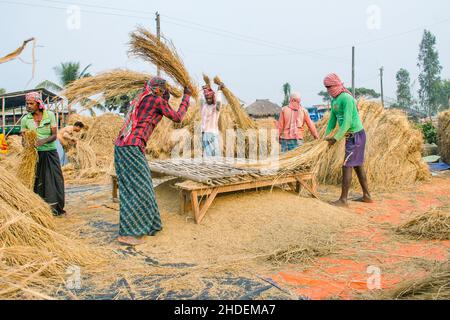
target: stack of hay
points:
(444, 136)
(33, 256)
(393, 151)
(94, 154)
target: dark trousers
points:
(49, 183)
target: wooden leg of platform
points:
(115, 189)
(304, 183)
(195, 206)
(183, 202)
(207, 204)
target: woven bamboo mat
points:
(210, 171)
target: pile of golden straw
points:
(28, 160)
(393, 152)
(33, 255)
(147, 46)
(94, 153)
(443, 137)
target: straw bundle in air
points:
(443, 135)
(26, 171)
(207, 80)
(147, 46)
(432, 225)
(243, 120)
(110, 85)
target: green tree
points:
(429, 77)
(67, 72)
(2, 91)
(404, 97)
(287, 94)
(359, 93)
(444, 95)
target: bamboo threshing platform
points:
(205, 178)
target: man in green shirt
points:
(49, 182)
(345, 113)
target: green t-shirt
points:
(44, 130)
(344, 112)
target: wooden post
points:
(353, 72)
(158, 33)
(3, 116)
(381, 83)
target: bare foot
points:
(131, 241)
(339, 203)
(364, 199)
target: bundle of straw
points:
(19, 197)
(242, 118)
(207, 80)
(147, 46)
(31, 252)
(443, 135)
(26, 171)
(84, 156)
(109, 84)
(432, 225)
(14, 145)
(435, 286)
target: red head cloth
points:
(209, 93)
(334, 85)
(35, 96)
(157, 83)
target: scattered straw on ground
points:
(432, 225)
(436, 286)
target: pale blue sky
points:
(255, 46)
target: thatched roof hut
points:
(263, 108)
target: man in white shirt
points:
(211, 104)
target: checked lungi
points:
(139, 213)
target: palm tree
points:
(287, 93)
(67, 72)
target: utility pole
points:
(158, 33)
(382, 89)
(353, 72)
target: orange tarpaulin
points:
(16, 53)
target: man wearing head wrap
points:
(139, 213)
(210, 110)
(345, 113)
(49, 182)
(292, 122)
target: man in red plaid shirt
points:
(139, 213)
